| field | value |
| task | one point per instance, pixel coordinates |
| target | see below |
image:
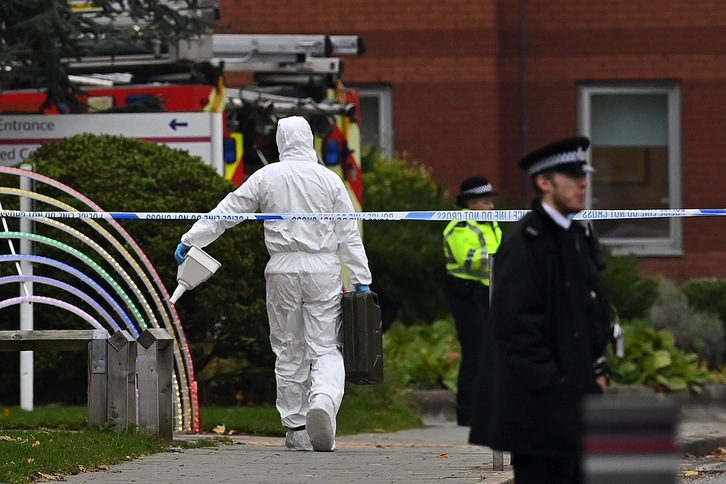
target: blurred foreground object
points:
(630, 440)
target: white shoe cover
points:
(319, 427)
(298, 440)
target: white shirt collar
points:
(559, 219)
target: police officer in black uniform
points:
(549, 325)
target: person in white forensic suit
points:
(303, 279)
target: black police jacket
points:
(546, 329)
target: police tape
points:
(433, 215)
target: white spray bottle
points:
(197, 267)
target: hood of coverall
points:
(295, 139)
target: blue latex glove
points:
(362, 288)
(181, 252)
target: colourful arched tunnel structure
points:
(130, 296)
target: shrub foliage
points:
(701, 333)
(425, 355)
(630, 293)
(707, 296)
(652, 358)
(406, 257)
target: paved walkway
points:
(437, 452)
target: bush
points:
(652, 358)
(693, 331)
(707, 296)
(425, 355)
(631, 294)
(224, 319)
(406, 257)
(386, 406)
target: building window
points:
(635, 135)
(376, 118)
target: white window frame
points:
(385, 114)
(672, 245)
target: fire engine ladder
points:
(276, 59)
(143, 49)
(279, 54)
(286, 60)
(285, 54)
(270, 55)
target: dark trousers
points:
(469, 303)
(541, 469)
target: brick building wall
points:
(439, 58)
(477, 83)
(571, 41)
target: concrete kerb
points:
(435, 405)
(712, 394)
(702, 423)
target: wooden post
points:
(97, 382)
(155, 367)
(121, 409)
(497, 460)
(497, 455)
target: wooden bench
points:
(129, 381)
(52, 340)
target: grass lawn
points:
(364, 409)
(26, 455)
(51, 441)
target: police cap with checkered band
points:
(565, 156)
(474, 187)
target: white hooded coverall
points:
(303, 275)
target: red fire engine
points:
(293, 75)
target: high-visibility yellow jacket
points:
(467, 245)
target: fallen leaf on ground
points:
(690, 473)
(442, 456)
(219, 429)
(50, 477)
